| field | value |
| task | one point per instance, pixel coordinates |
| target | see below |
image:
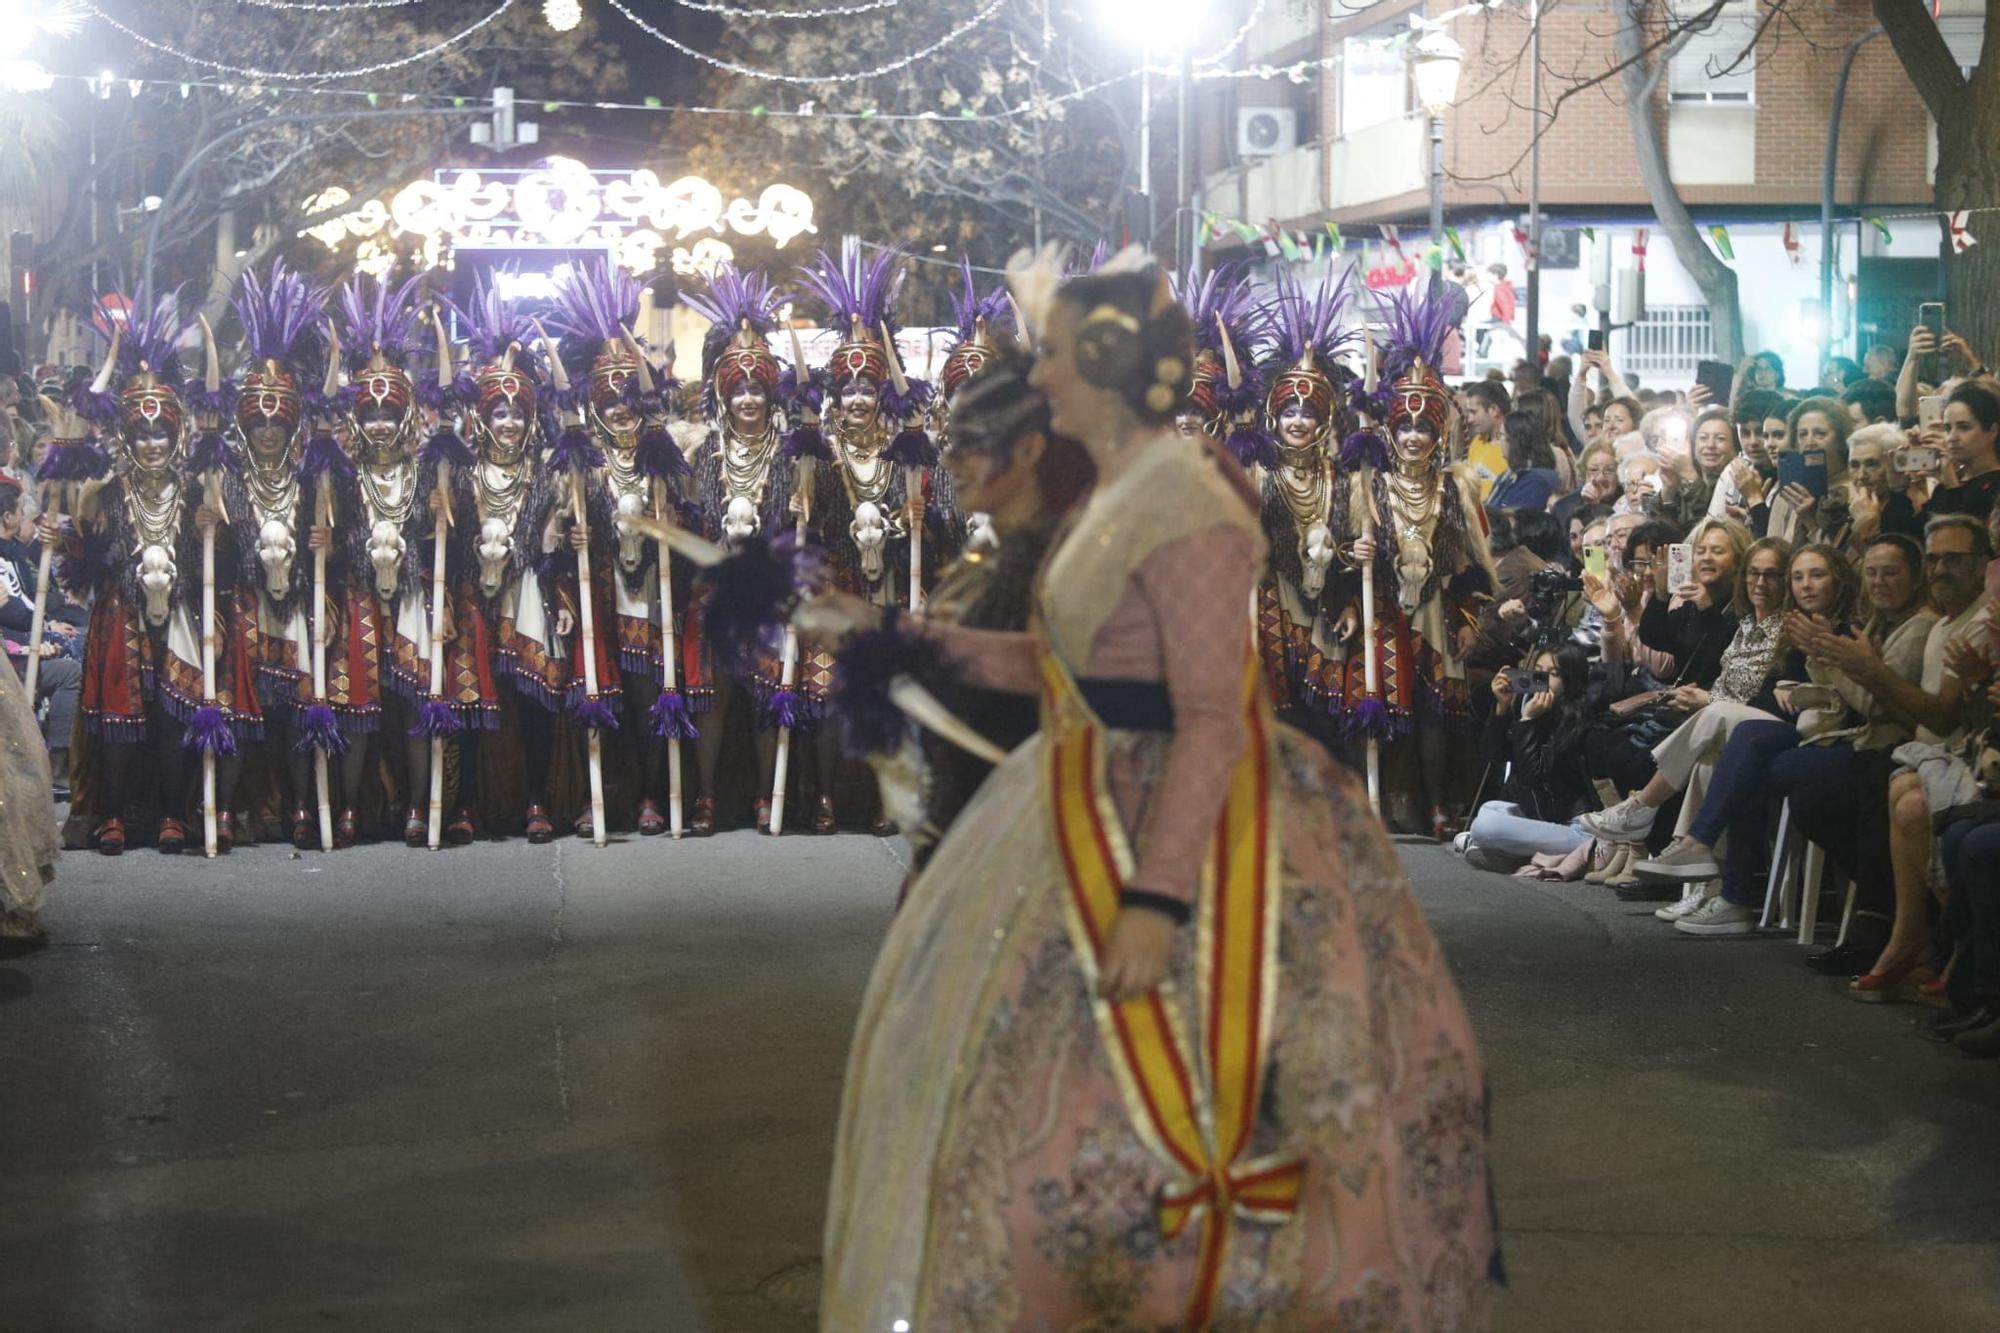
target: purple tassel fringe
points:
(912, 448)
(320, 729)
(596, 714)
(671, 719)
(436, 717)
(208, 731)
(782, 711)
(1369, 720)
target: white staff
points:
(913, 481)
(1368, 666)
(211, 494)
(670, 674)
(586, 613)
(319, 629)
(439, 610)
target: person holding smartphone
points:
(1968, 479)
(1536, 735)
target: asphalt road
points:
(512, 1087)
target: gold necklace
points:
(1413, 501)
(153, 506)
(862, 468)
(273, 486)
(746, 463)
(389, 489)
(1306, 483)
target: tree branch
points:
(1926, 58)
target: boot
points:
(1629, 855)
(703, 823)
(1615, 862)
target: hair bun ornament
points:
(1169, 369)
(1159, 398)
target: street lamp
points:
(1163, 27)
(1434, 62)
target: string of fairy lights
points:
(565, 14)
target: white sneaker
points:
(1717, 916)
(1696, 895)
(1461, 842)
(1683, 860)
(1628, 821)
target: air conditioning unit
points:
(1262, 131)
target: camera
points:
(1547, 587)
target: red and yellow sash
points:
(1194, 1105)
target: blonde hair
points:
(1741, 544)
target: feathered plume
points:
(320, 729)
(149, 330)
(73, 460)
(1298, 321)
(1222, 299)
(281, 319)
(595, 302)
(1419, 321)
(731, 299)
(672, 719)
(755, 588)
(863, 670)
(377, 315)
(968, 307)
(325, 458)
(493, 322)
(857, 290)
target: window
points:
(1374, 77)
(1717, 65)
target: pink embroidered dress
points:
(988, 1171)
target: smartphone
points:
(1918, 459)
(1716, 377)
(1931, 315)
(1803, 467)
(1597, 561)
(1930, 409)
(1594, 340)
(1680, 565)
(1527, 684)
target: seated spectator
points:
(1524, 542)
(1969, 840)
(1836, 374)
(1647, 487)
(1797, 515)
(1581, 519)
(1713, 449)
(1529, 481)
(1536, 738)
(1597, 473)
(1971, 430)
(1665, 431)
(1870, 401)
(1870, 451)
(1874, 817)
(1880, 362)
(1744, 689)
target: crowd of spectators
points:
(1713, 611)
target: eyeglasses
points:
(1640, 564)
(1765, 575)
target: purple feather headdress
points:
(1221, 299)
(493, 322)
(281, 319)
(377, 315)
(856, 289)
(1419, 322)
(968, 307)
(731, 299)
(595, 302)
(1298, 321)
(153, 329)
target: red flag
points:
(1639, 246)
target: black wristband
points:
(1165, 904)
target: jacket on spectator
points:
(1544, 756)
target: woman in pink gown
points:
(1160, 1037)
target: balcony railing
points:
(1667, 342)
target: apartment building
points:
(1343, 140)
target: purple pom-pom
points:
(657, 456)
(73, 460)
(754, 587)
(1245, 397)
(863, 670)
(436, 717)
(100, 408)
(912, 448)
(915, 396)
(1364, 448)
(208, 454)
(221, 403)
(1369, 720)
(324, 457)
(593, 712)
(319, 729)
(208, 731)
(782, 711)
(575, 452)
(671, 719)
(1252, 447)
(445, 446)
(805, 441)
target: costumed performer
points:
(1036, 1131)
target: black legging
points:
(641, 689)
(730, 694)
(538, 745)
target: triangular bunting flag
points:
(1394, 236)
(1333, 233)
(1457, 247)
(1720, 235)
(1879, 225)
(1961, 239)
(1639, 235)
(1590, 234)
(1790, 236)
